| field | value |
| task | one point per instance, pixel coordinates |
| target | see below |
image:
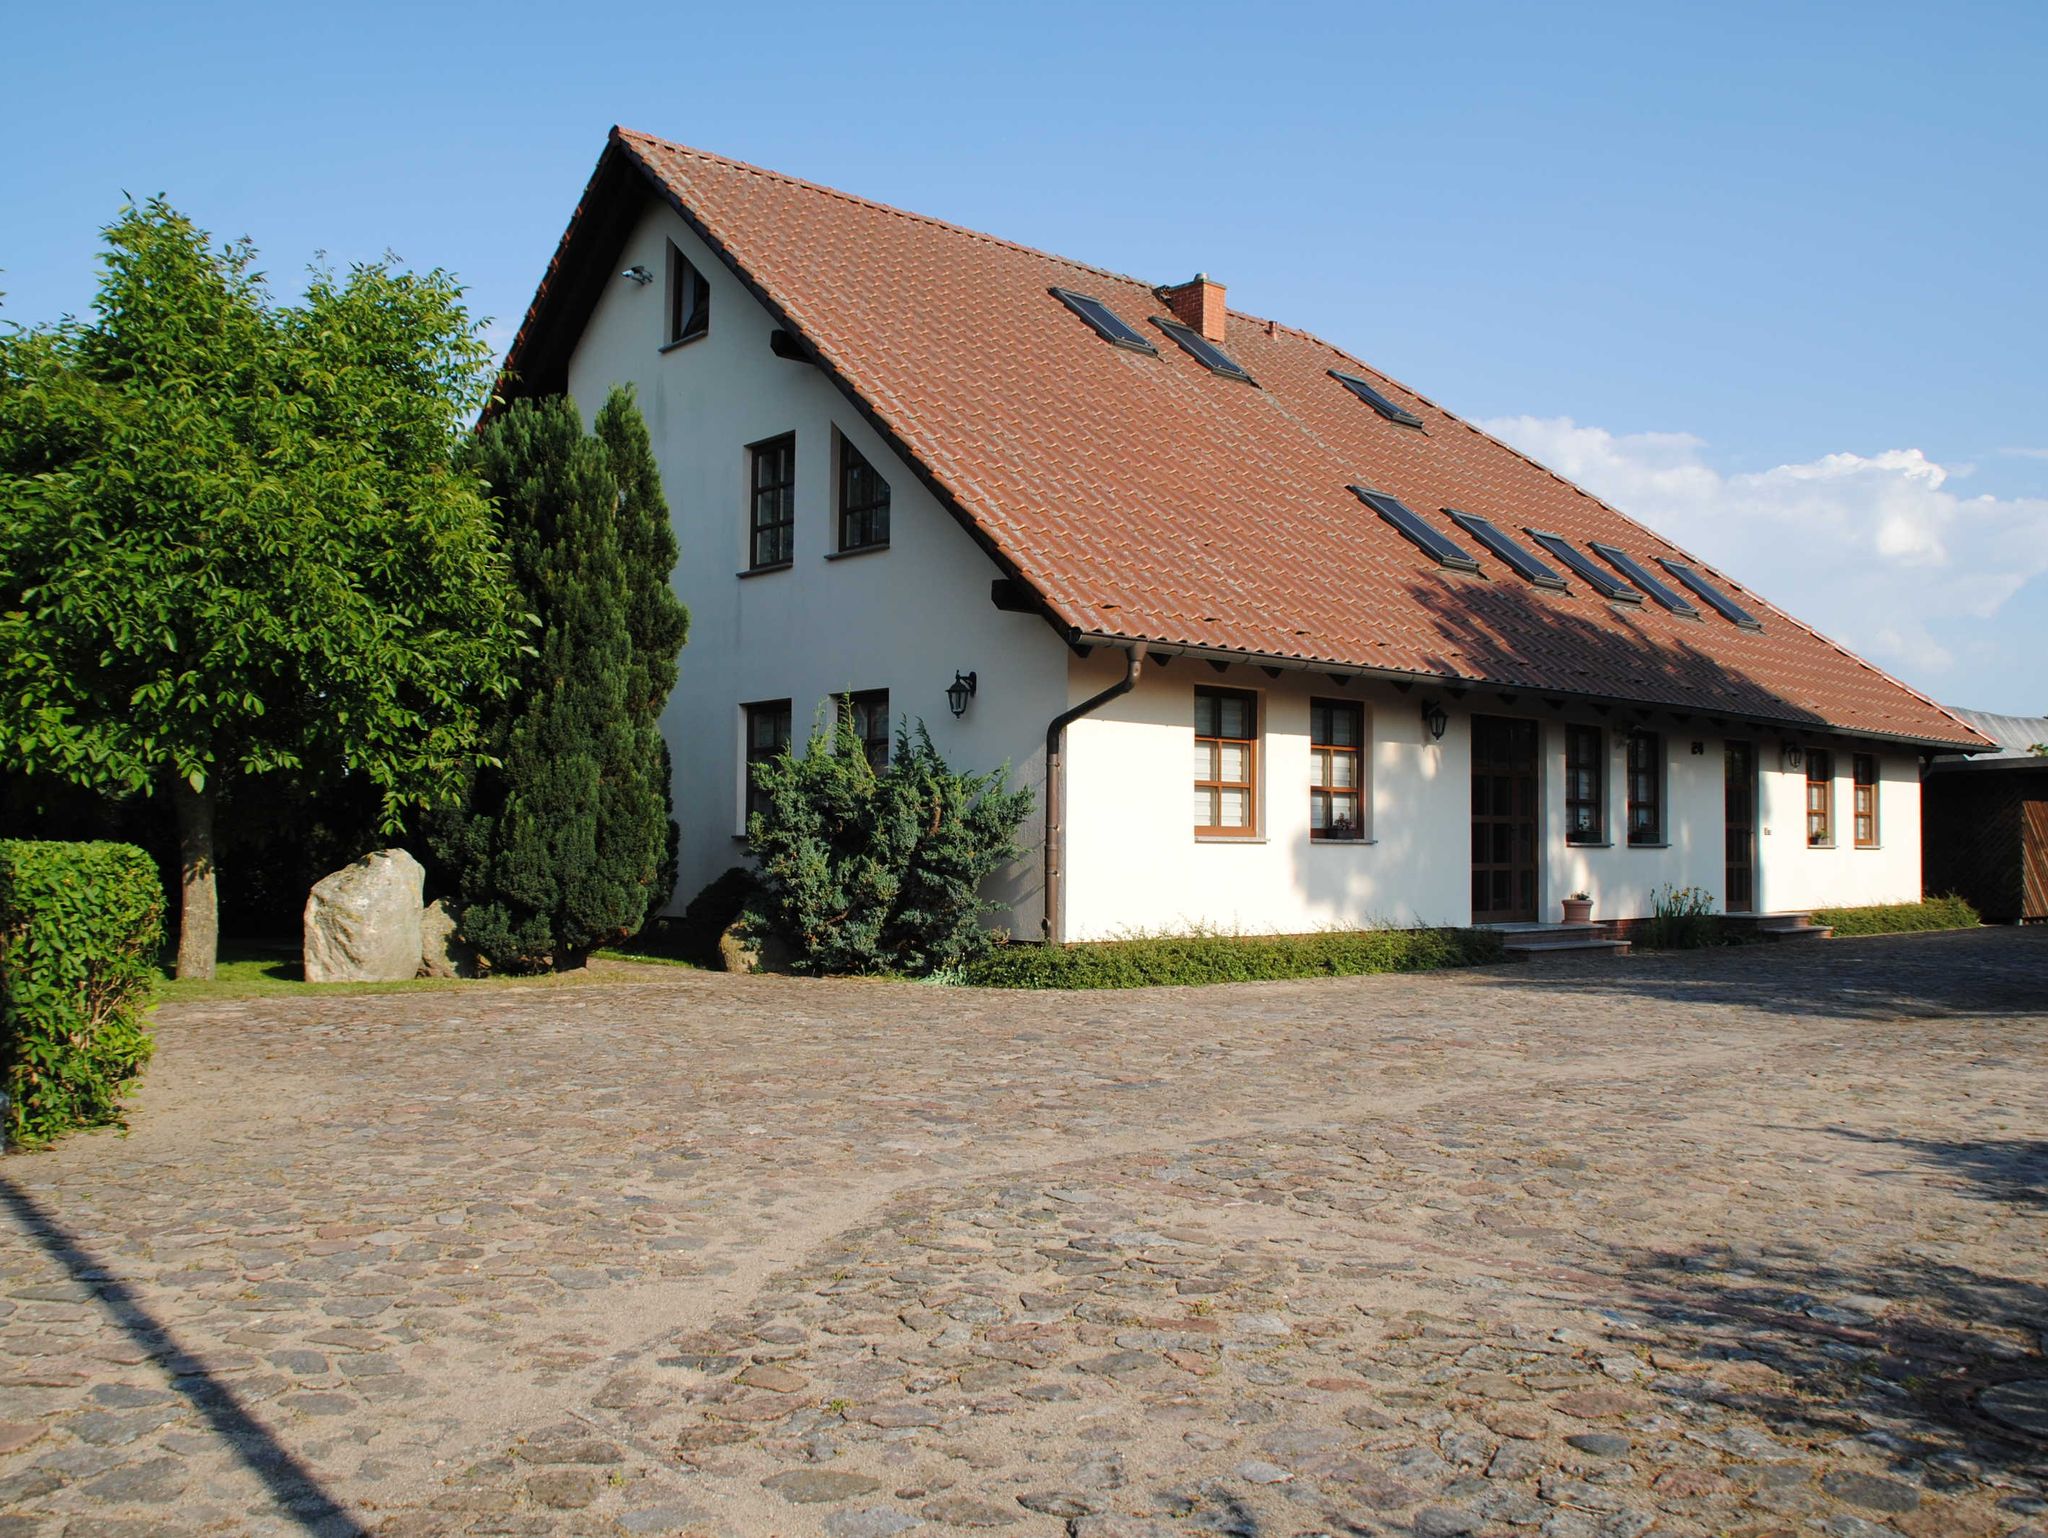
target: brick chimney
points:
(1198, 305)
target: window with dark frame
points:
(1336, 756)
(1226, 763)
(689, 300)
(1820, 798)
(867, 712)
(1865, 768)
(1585, 819)
(863, 502)
(1645, 788)
(772, 518)
(767, 735)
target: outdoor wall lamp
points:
(1794, 758)
(1434, 719)
(959, 692)
(638, 274)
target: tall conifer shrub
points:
(560, 847)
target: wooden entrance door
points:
(1503, 820)
(1739, 797)
(2034, 858)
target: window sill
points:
(685, 341)
(1828, 845)
(1662, 843)
(1868, 848)
(762, 571)
(1339, 843)
(1230, 838)
(1588, 843)
(841, 555)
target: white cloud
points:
(1874, 550)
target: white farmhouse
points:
(1280, 644)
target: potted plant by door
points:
(1578, 908)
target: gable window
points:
(1865, 766)
(1645, 788)
(1226, 763)
(767, 735)
(772, 516)
(689, 300)
(1336, 782)
(1820, 798)
(867, 712)
(863, 502)
(1585, 817)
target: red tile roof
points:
(1147, 499)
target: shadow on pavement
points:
(299, 1494)
(1895, 1351)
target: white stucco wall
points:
(903, 619)
(1134, 865)
(1798, 878)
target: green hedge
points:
(80, 928)
(1901, 918)
(1186, 959)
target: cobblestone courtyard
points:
(1742, 1242)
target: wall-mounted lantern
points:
(959, 692)
(1434, 720)
(1795, 756)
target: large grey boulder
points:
(443, 951)
(363, 922)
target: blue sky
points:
(1768, 276)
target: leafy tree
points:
(560, 846)
(880, 872)
(234, 541)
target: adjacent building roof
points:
(1143, 497)
(2015, 737)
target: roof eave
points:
(1458, 685)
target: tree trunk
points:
(199, 897)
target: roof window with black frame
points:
(1396, 512)
(1722, 604)
(1202, 350)
(1503, 545)
(1605, 583)
(1632, 569)
(1108, 325)
(1373, 398)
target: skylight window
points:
(1108, 324)
(1377, 401)
(1725, 606)
(1632, 569)
(1502, 545)
(1403, 518)
(1604, 583)
(1202, 350)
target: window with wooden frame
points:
(1585, 785)
(689, 300)
(867, 712)
(1645, 788)
(1226, 763)
(1865, 767)
(1336, 775)
(771, 527)
(1820, 798)
(767, 735)
(863, 502)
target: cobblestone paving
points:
(1748, 1242)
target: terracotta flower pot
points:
(1578, 910)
